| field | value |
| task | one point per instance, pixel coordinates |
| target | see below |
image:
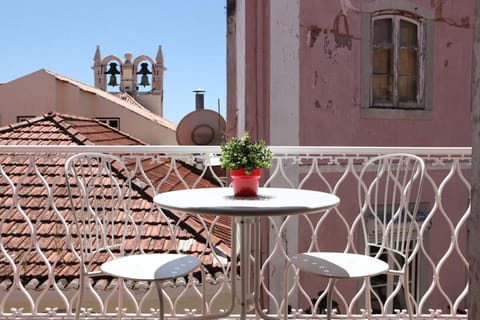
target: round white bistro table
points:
(245, 212)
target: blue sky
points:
(62, 36)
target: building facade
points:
(43, 91)
(351, 72)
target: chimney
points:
(199, 99)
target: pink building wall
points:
(324, 79)
(330, 74)
(295, 78)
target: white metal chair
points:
(389, 191)
(100, 194)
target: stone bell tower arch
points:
(141, 78)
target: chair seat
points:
(151, 267)
(339, 264)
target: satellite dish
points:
(201, 127)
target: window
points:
(396, 64)
(23, 118)
(112, 122)
(396, 60)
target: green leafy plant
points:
(246, 154)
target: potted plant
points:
(245, 159)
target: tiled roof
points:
(60, 129)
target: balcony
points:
(38, 262)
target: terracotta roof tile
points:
(56, 129)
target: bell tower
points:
(141, 78)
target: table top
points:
(269, 202)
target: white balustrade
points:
(439, 271)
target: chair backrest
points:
(389, 192)
(100, 191)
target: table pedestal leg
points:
(247, 295)
(244, 229)
(257, 275)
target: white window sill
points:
(382, 113)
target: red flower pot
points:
(245, 185)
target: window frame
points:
(108, 121)
(424, 19)
(24, 118)
(395, 103)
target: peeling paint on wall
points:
(312, 35)
(438, 5)
(317, 79)
(231, 5)
(341, 32)
(328, 48)
(341, 36)
(327, 106)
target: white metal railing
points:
(440, 273)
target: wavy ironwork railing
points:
(36, 284)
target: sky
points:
(61, 36)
